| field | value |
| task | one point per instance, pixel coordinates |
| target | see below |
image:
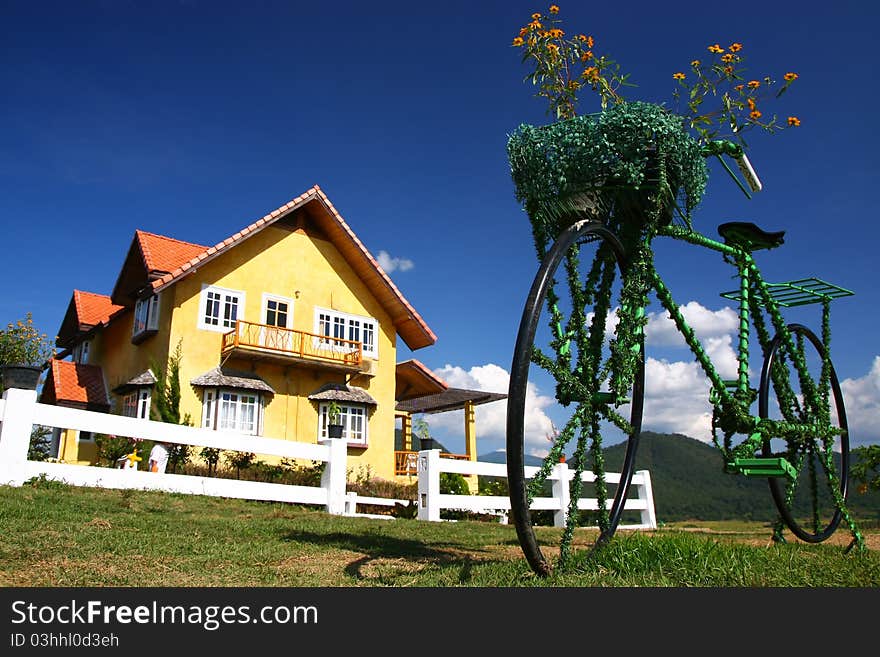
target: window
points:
(81, 352)
(220, 308)
(277, 318)
(146, 315)
(353, 418)
(136, 403)
(342, 326)
(233, 410)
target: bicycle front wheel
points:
(567, 330)
(794, 392)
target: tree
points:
(167, 407)
(866, 468)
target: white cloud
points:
(862, 400)
(390, 264)
(491, 419)
(661, 330)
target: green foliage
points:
(452, 483)
(630, 164)
(866, 467)
(333, 413)
(112, 448)
(211, 456)
(45, 483)
(22, 344)
(240, 461)
(40, 443)
(166, 407)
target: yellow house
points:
(274, 323)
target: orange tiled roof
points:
(414, 379)
(93, 309)
(76, 384)
(164, 254)
(408, 323)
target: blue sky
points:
(194, 118)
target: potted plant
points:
(632, 165)
(24, 352)
(334, 420)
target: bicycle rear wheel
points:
(813, 503)
(568, 335)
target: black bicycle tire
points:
(777, 488)
(517, 394)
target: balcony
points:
(288, 347)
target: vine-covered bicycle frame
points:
(806, 424)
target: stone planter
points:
(21, 376)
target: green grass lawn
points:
(55, 535)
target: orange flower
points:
(695, 63)
(589, 42)
(716, 48)
(755, 115)
(518, 41)
(524, 31)
(556, 33)
(536, 17)
(754, 84)
(788, 77)
(736, 47)
(728, 70)
(553, 48)
(727, 58)
(794, 121)
(739, 87)
(751, 103)
(678, 76)
(554, 9)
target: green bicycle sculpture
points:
(583, 325)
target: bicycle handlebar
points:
(734, 150)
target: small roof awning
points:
(341, 392)
(451, 399)
(413, 380)
(222, 377)
(77, 385)
(143, 379)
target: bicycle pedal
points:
(763, 467)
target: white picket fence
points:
(20, 411)
(432, 501)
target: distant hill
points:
(500, 456)
(689, 483)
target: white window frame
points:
(146, 315)
(81, 352)
(225, 294)
(270, 337)
(354, 419)
(215, 400)
(341, 325)
(136, 403)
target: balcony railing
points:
(406, 462)
(249, 338)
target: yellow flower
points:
(736, 47)
(589, 42)
(794, 121)
(556, 33)
(788, 77)
(727, 58)
(554, 9)
(695, 63)
(553, 48)
(518, 41)
(536, 17)
(716, 48)
(678, 76)
(754, 84)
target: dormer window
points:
(146, 317)
(81, 352)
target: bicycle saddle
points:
(748, 236)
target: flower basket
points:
(335, 430)
(25, 377)
(629, 166)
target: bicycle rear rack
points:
(798, 293)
